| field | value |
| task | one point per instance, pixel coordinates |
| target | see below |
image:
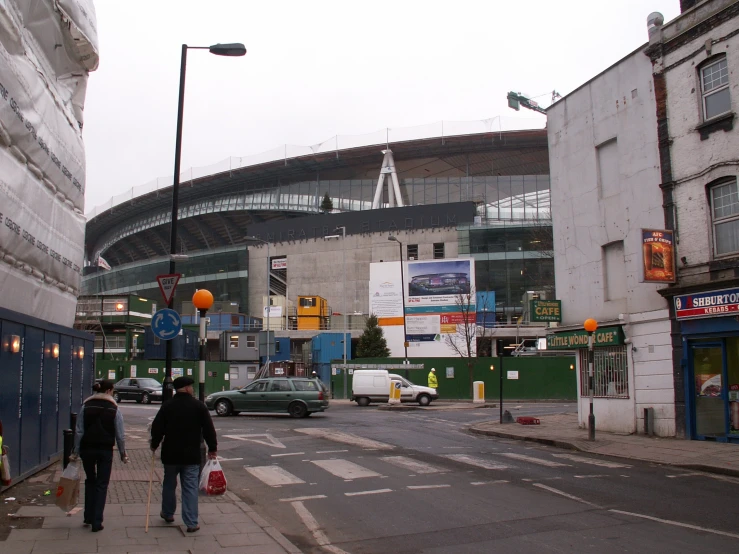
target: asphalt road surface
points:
(368, 481)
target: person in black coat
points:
(182, 423)
(99, 427)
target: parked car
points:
(141, 390)
(299, 397)
(373, 385)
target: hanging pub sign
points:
(658, 254)
(707, 304)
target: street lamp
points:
(202, 300)
(402, 294)
(234, 49)
(590, 326)
(343, 273)
(255, 240)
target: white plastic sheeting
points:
(47, 48)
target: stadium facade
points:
(480, 195)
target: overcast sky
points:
(320, 68)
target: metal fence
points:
(610, 372)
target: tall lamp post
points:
(590, 326)
(234, 49)
(255, 240)
(402, 294)
(343, 273)
(202, 300)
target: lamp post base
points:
(591, 426)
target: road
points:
(367, 481)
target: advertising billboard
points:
(658, 249)
(436, 303)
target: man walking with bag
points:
(183, 422)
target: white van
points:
(373, 385)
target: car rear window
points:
(305, 385)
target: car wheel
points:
(363, 401)
(145, 398)
(223, 408)
(296, 410)
(424, 400)
(138, 400)
(116, 397)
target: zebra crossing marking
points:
(345, 469)
(412, 465)
(473, 461)
(591, 461)
(533, 460)
(362, 493)
(274, 476)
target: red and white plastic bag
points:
(213, 480)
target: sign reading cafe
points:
(707, 304)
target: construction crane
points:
(516, 100)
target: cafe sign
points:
(546, 310)
(707, 304)
(605, 336)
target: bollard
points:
(68, 446)
(394, 397)
(478, 396)
(73, 421)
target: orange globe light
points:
(590, 325)
(202, 299)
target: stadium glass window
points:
(412, 251)
(714, 78)
(438, 250)
(725, 217)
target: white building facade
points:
(696, 71)
(605, 177)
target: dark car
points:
(141, 390)
(299, 397)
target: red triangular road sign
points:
(167, 284)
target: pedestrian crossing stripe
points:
(473, 461)
(413, 465)
(591, 461)
(345, 469)
(274, 476)
(531, 459)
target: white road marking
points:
(684, 475)
(531, 459)
(419, 487)
(678, 524)
(591, 461)
(330, 451)
(413, 465)
(345, 469)
(562, 493)
(362, 493)
(302, 498)
(262, 438)
(310, 522)
(345, 438)
(479, 483)
(229, 459)
(589, 476)
(477, 462)
(288, 454)
(274, 476)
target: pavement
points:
(227, 524)
(563, 431)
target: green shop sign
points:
(546, 310)
(606, 336)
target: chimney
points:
(685, 5)
(655, 20)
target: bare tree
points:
(471, 331)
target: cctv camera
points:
(627, 340)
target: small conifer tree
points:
(372, 343)
(327, 205)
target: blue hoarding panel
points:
(329, 346)
(10, 384)
(65, 388)
(48, 407)
(33, 351)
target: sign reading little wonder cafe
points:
(707, 304)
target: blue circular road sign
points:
(166, 324)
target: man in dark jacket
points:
(183, 423)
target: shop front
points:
(709, 323)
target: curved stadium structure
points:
(482, 195)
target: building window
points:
(614, 271)
(715, 89)
(251, 341)
(412, 251)
(610, 372)
(725, 214)
(233, 341)
(438, 250)
(277, 347)
(307, 302)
